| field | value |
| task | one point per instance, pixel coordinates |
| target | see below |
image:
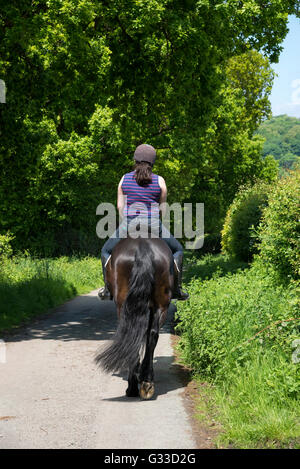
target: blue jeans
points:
(158, 230)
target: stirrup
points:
(104, 294)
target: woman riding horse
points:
(140, 195)
(140, 276)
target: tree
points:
(151, 69)
(282, 140)
(230, 155)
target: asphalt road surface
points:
(52, 395)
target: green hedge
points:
(237, 332)
(279, 231)
(225, 311)
(243, 216)
(5, 245)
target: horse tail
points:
(131, 332)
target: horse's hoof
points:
(146, 390)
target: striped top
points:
(145, 198)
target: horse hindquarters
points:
(142, 307)
(131, 333)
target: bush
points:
(223, 312)
(5, 245)
(243, 216)
(212, 244)
(237, 332)
(279, 231)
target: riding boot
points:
(104, 293)
(178, 293)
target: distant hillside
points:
(282, 134)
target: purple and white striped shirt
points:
(141, 200)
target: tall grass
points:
(30, 286)
(237, 332)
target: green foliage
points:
(29, 286)
(237, 331)
(230, 155)
(279, 231)
(5, 245)
(282, 140)
(67, 171)
(212, 244)
(251, 77)
(87, 81)
(242, 219)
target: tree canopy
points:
(282, 140)
(87, 81)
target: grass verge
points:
(237, 333)
(30, 286)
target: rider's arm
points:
(121, 198)
(163, 195)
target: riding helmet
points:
(146, 153)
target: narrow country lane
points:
(52, 395)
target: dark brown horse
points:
(140, 279)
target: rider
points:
(140, 194)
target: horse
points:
(140, 277)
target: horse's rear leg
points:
(133, 384)
(146, 371)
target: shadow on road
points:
(86, 318)
(83, 318)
